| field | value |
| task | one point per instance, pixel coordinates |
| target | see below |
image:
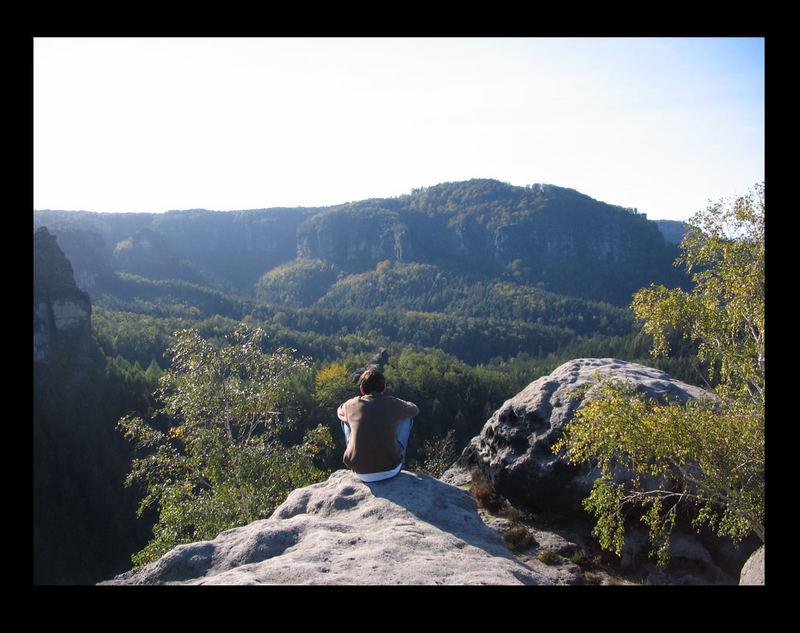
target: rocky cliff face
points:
(547, 235)
(91, 260)
(61, 311)
(672, 230)
(354, 237)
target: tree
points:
(332, 386)
(724, 313)
(213, 456)
(704, 457)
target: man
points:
(376, 427)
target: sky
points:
(663, 125)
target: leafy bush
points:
(213, 457)
(518, 539)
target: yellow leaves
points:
(334, 371)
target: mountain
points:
(225, 250)
(550, 237)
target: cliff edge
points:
(409, 530)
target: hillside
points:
(546, 236)
(480, 269)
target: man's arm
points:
(411, 410)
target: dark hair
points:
(372, 381)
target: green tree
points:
(724, 314)
(437, 454)
(212, 453)
(704, 456)
(332, 386)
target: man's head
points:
(372, 381)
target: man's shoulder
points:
(400, 401)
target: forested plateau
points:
(474, 289)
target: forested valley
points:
(473, 290)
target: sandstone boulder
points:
(513, 449)
(513, 452)
(409, 530)
(753, 570)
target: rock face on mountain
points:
(354, 236)
(61, 311)
(513, 451)
(672, 230)
(541, 234)
(409, 530)
(87, 252)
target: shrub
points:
(549, 557)
(484, 493)
(519, 539)
(220, 462)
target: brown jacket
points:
(373, 421)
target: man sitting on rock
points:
(376, 428)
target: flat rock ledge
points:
(408, 530)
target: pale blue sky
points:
(152, 124)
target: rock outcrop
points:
(90, 258)
(354, 236)
(376, 362)
(753, 570)
(514, 447)
(409, 530)
(61, 310)
(513, 452)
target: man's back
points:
(373, 420)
